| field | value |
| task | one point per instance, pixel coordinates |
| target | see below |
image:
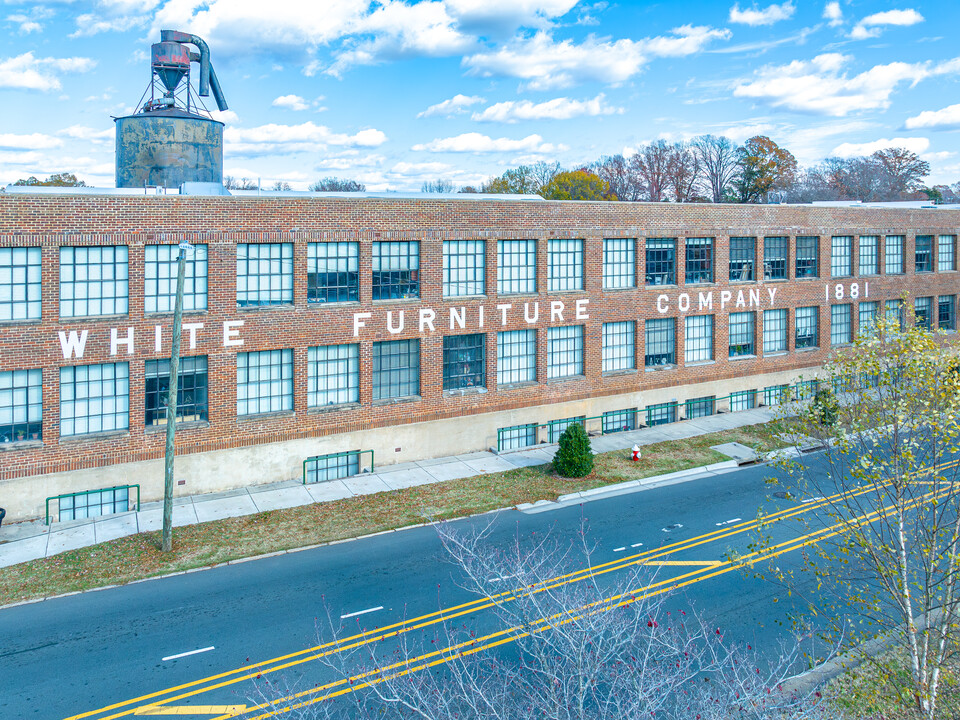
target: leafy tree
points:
(904, 169)
(573, 458)
(763, 167)
(335, 184)
(718, 160)
(825, 407)
(438, 186)
(577, 185)
(63, 179)
(523, 180)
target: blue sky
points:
(396, 92)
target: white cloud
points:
(32, 73)
(418, 169)
(349, 160)
(305, 137)
(291, 102)
(33, 141)
(556, 109)
(80, 132)
(872, 25)
(819, 86)
(917, 145)
(457, 105)
(503, 16)
(947, 118)
(768, 16)
(227, 117)
(833, 14)
(26, 24)
(545, 64)
(477, 143)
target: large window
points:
(565, 261)
(946, 253)
(618, 346)
(741, 330)
(660, 342)
(516, 266)
(841, 256)
(20, 282)
(947, 312)
(893, 312)
(807, 320)
(841, 328)
(923, 309)
(923, 253)
(661, 265)
(264, 274)
(775, 258)
(333, 272)
(160, 278)
(396, 270)
(464, 268)
(94, 398)
(21, 405)
(619, 263)
(869, 255)
(661, 414)
(93, 281)
(264, 382)
(516, 356)
(191, 390)
(396, 369)
(564, 351)
(743, 400)
(808, 256)
(867, 317)
(619, 421)
(743, 255)
(774, 331)
(697, 338)
(333, 375)
(464, 361)
(699, 266)
(893, 255)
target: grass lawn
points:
(139, 556)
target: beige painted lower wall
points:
(24, 498)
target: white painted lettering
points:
(755, 297)
(116, 340)
(662, 304)
(192, 329)
(426, 319)
(231, 333)
(480, 316)
(390, 328)
(503, 313)
(73, 345)
(157, 337)
(556, 310)
(725, 296)
(741, 301)
(526, 312)
(683, 302)
(772, 292)
(581, 306)
(358, 322)
(458, 316)
(706, 300)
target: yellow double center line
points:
(248, 672)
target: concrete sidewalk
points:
(20, 542)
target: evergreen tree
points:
(573, 458)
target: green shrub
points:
(574, 458)
(825, 407)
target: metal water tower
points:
(172, 139)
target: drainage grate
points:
(781, 495)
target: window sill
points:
(734, 358)
(397, 401)
(519, 296)
(807, 349)
(92, 318)
(169, 313)
(778, 353)
(618, 373)
(618, 289)
(77, 439)
(334, 304)
(458, 298)
(180, 424)
(21, 323)
(266, 415)
(743, 282)
(337, 407)
(700, 363)
(807, 278)
(565, 378)
(660, 368)
(704, 283)
(518, 385)
(456, 392)
(776, 280)
(561, 293)
(395, 301)
(270, 307)
(664, 286)
(14, 445)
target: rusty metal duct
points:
(172, 139)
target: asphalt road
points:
(104, 654)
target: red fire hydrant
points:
(636, 453)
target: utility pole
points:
(167, 543)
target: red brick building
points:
(414, 327)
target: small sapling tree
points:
(574, 458)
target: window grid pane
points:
(775, 258)
(264, 274)
(619, 421)
(808, 256)
(516, 356)
(396, 369)
(893, 311)
(923, 308)
(774, 331)
(807, 320)
(619, 346)
(661, 414)
(923, 253)
(565, 259)
(660, 342)
(775, 394)
(264, 382)
(619, 263)
(743, 253)
(700, 407)
(564, 351)
(946, 253)
(743, 400)
(893, 255)
(160, 278)
(94, 398)
(464, 361)
(396, 270)
(840, 325)
(516, 266)
(464, 268)
(333, 375)
(740, 328)
(333, 467)
(699, 266)
(20, 283)
(867, 317)
(191, 390)
(698, 339)
(333, 272)
(869, 255)
(517, 436)
(661, 264)
(555, 428)
(94, 504)
(946, 312)
(21, 405)
(94, 281)
(841, 256)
